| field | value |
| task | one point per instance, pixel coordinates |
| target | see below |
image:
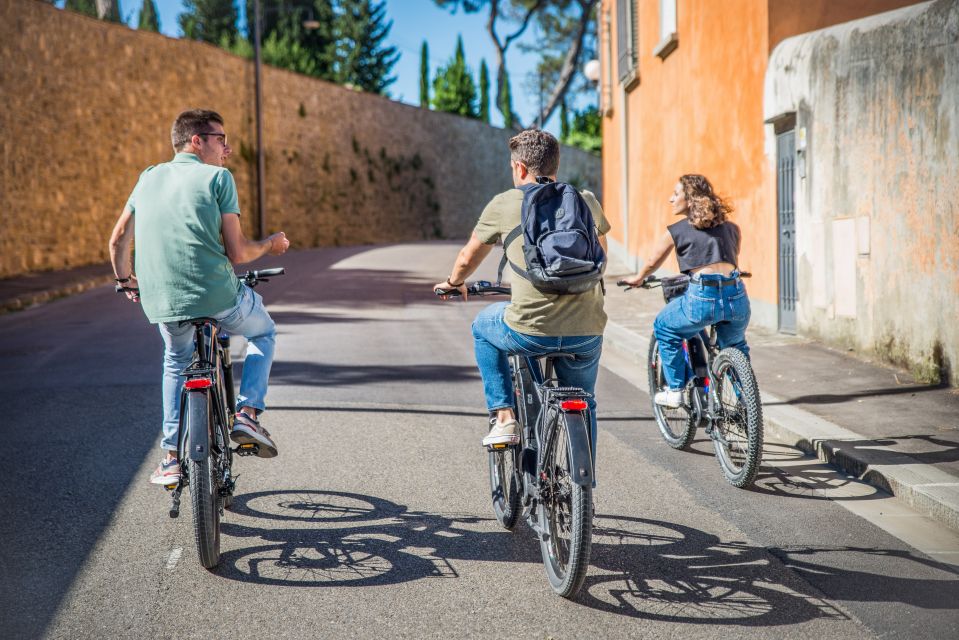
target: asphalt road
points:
(374, 520)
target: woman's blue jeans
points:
(687, 315)
(494, 342)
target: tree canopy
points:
(453, 87)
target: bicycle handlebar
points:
(250, 279)
(651, 282)
(478, 288)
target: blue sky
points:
(414, 21)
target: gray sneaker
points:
(246, 430)
(502, 433)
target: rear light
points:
(573, 405)
(198, 383)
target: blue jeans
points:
(248, 319)
(494, 341)
(698, 308)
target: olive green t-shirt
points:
(181, 264)
(531, 311)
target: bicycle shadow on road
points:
(641, 568)
(347, 539)
(664, 571)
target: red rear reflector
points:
(573, 405)
(198, 383)
(706, 382)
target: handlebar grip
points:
(269, 273)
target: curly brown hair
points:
(706, 208)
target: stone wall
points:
(877, 199)
(87, 105)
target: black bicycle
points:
(548, 475)
(721, 393)
(207, 408)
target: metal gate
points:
(786, 207)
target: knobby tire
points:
(677, 426)
(204, 487)
(567, 515)
(739, 443)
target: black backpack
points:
(562, 250)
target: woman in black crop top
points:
(707, 249)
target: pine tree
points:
(425, 75)
(453, 88)
(209, 20)
(86, 7)
(361, 59)
(149, 20)
(505, 105)
(484, 92)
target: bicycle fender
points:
(577, 435)
(198, 419)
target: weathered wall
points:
(87, 105)
(877, 214)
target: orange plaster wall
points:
(700, 111)
(790, 17)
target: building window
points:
(668, 40)
(626, 37)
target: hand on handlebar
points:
(131, 288)
(445, 291)
(633, 282)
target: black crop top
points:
(699, 247)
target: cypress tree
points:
(86, 7)
(453, 88)
(149, 20)
(425, 75)
(505, 105)
(484, 92)
(563, 122)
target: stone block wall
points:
(87, 105)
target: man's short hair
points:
(537, 149)
(190, 123)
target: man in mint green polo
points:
(185, 219)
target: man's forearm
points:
(252, 250)
(468, 261)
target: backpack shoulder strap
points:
(510, 237)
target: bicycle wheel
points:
(566, 513)
(677, 426)
(505, 485)
(738, 433)
(204, 485)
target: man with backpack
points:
(553, 240)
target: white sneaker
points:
(669, 398)
(502, 433)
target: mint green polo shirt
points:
(180, 260)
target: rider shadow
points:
(640, 568)
(345, 539)
(663, 571)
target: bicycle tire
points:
(204, 487)
(566, 515)
(677, 426)
(739, 442)
(505, 485)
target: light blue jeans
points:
(494, 342)
(687, 315)
(249, 319)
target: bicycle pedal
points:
(500, 446)
(248, 449)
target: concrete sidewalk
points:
(35, 288)
(872, 421)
